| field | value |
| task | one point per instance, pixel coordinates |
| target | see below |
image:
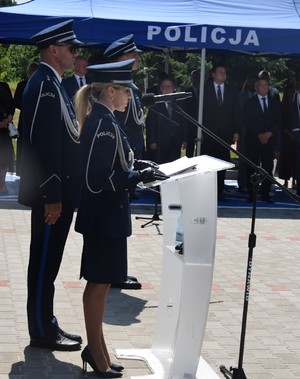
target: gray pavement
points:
(272, 346)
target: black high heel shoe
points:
(88, 359)
(116, 367)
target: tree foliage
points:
(15, 58)
(7, 3)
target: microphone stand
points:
(256, 179)
(155, 216)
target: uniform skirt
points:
(104, 260)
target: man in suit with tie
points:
(192, 108)
(50, 180)
(78, 79)
(221, 115)
(262, 119)
(165, 129)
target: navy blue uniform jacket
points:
(104, 208)
(51, 163)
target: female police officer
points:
(104, 214)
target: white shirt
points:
(78, 79)
(262, 102)
(221, 88)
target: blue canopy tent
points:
(255, 26)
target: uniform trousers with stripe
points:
(46, 251)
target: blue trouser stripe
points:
(41, 279)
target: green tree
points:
(14, 60)
(7, 3)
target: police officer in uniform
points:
(132, 119)
(103, 216)
(50, 179)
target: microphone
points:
(150, 99)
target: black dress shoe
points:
(58, 342)
(133, 278)
(128, 285)
(70, 336)
(116, 367)
(88, 359)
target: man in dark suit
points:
(192, 108)
(221, 115)
(165, 129)
(78, 79)
(50, 180)
(295, 126)
(262, 119)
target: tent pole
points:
(201, 92)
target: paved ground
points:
(272, 348)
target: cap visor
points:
(75, 42)
(130, 85)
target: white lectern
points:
(186, 278)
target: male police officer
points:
(133, 118)
(50, 179)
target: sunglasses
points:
(72, 48)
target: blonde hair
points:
(85, 97)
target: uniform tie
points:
(80, 81)
(219, 96)
(265, 108)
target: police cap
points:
(121, 46)
(115, 73)
(59, 33)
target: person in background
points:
(274, 93)
(159, 78)
(262, 120)
(18, 97)
(103, 218)
(166, 132)
(295, 126)
(192, 108)
(50, 180)
(287, 161)
(78, 79)
(7, 110)
(222, 116)
(248, 90)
